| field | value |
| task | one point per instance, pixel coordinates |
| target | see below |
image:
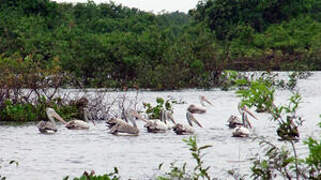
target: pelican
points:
(236, 121)
(49, 126)
(160, 125)
(79, 124)
(122, 126)
(182, 129)
(242, 130)
(204, 99)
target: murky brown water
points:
(71, 152)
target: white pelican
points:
(160, 125)
(242, 130)
(49, 126)
(182, 129)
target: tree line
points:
(110, 45)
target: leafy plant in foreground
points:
(86, 176)
(199, 170)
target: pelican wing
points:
(194, 109)
(45, 126)
(77, 124)
(124, 128)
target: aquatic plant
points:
(199, 171)
(91, 176)
(259, 93)
(154, 112)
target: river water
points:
(71, 152)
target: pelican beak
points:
(190, 118)
(138, 116)
(59, 118)
(250, 113)
(171, 118)
(248, 122)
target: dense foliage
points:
(109, 45)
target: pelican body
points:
(119, 126)
(47, 127)
(181, 129)
(234, 121)
(79, 124)
(242, 130)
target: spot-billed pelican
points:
(160, 125)
(122, 126)
(199, 110)
(236, 121)
(49, 126)
(77, 124)
(204, 99)
(242, 130)
(182, 129)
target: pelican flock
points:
(127, 124)
(183, 129)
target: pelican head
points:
(51, 113)
(132, 114)
(86, 115)
(243, 108)
(204, 99)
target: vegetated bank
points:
(109, 45)
(47, 45)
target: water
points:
(71, 152)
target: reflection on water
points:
(71, 152)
